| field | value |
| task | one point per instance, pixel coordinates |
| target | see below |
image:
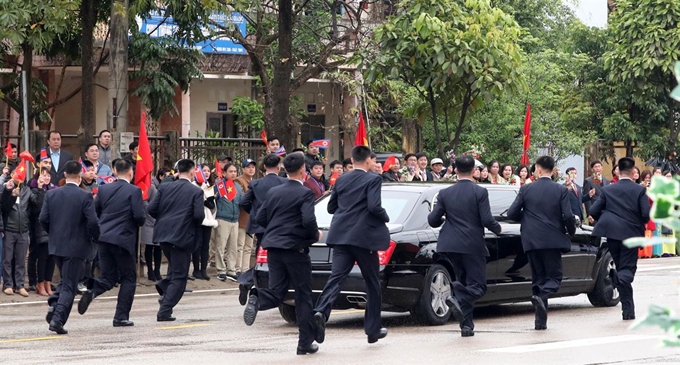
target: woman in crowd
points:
(506, 172)
(392, 174)
(39, 260)
(522, 173)
(484, 175)
(200, 256)
(636, 175)
(92, 155)
(668, 174)
(615, 174)
(645, 178)
(494, 170)
(658, 171)
(152, 250)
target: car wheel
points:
(431, 308)
(288, 313)
(605, 294)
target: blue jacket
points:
(229, 210)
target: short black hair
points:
(73, 168)
(626, 164)
(335, 162)
(519, 169)
(373, 155)
(546, 162)
(133, 145)
(272, 138)
(346, 162)
(592, 164)
(465, 164)
(315, 163)
(293, 163)
(90, 145)
(104, 131)
(308, 143)
(123, 166)
(113, 162)
(49, 135)
(160, 173)
(360, 153)
(298, 150)
(409, 155)
(570, 169)
(13, 145)
(185, 166)
(87, 164)
(421, 154)
(271, 161)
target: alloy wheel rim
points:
(440, 289)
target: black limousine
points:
(416, 279)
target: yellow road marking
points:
(31, 339)
(184, 326)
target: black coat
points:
(621, 211)
(255, 197)
(544, 211)
(576, 201)
(178, 210)
(358, 216)
(68, 216)
(467, 210)
(37, 232)
(288, 217)
(588, 184)
(57, 172)
(121, 212)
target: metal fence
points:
(206, 150)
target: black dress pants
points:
(175, 281)
(291, 269)
(626, 265)
(344, 257)
(117, 265)
(71, 269)
(32, 265)
(470, 284)
(546, 272)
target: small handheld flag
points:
(8, 152)
(221, 189)
(82, 165)
(263, 136)
(43, 155)
(27, 156)
(333, 178)
(389, 162)
(107, 179)
(19, 174)
(281, 151)
(231, 190)
(218, 169)
(200, 178)
(322, 143)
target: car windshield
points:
(398, 205)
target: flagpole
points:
(363, 92)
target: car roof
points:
(422, 187)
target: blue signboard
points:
(222, 45)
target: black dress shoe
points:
(304, 350)
(467, 332)
(452, 302)
(191, 277)
(58, 328)
(187, 290)
(243, 294)
(541, 310)
(123, 323)
(165, 319)
(50, 314)
(540, 326)
(250, 313)
(375, 338)
(320, 320)
(151, 276)
(85, 301)
(628, 317)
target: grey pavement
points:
(210, 329)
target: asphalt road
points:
(210, 329)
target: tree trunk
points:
(446, 123)
(281, 124)
(409, 132)
(461, 122)
(433, 106)
(87, 117)
(116, 114)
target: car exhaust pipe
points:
(356, 299)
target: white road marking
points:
(656, 268)
(570, 344)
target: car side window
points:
(500, 202)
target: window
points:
(500, 201)
(222, 123)
(312, 128)
(398, 205)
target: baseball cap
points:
(223, 157)
(436, 161)
(247, 162)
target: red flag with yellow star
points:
(333, 178)
(231, 190)
(144, 161)
(361, 138)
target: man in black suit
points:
(290, 228)
(121, 213)
(68, 216)
(621, 213)
(357, 233)
(467, 210)
(592, 189)
(576, 194)
(251, 202)
(178, 210)
(544, 211)
(59, 156)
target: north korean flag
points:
(322, 143)
(200, 178)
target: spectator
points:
(336, 167)
(58, 156)
(10, 162)
(17, 199)
(106, 154)
(200, 256)
(392, 174)
(89, 181)
(101, 169)
(152, 250)
(40, 263)
(314, 182)
(347, 165)
(227, 230)
(273, 145)
(132, 156)
(437, 170)
(245, 242)
(421, 167)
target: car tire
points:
(431, 308)
(288, 313)
(604, 294)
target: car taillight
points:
(261, 257)
(385, 256)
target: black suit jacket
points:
(358, 216)
(467, 210)
(576, 201)
(288, 217)
(544, 211)
(178, 210)
(57, 172)
(121, 212)
(255, 197)
(588, 184)
(621, 211)
(68, 216)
